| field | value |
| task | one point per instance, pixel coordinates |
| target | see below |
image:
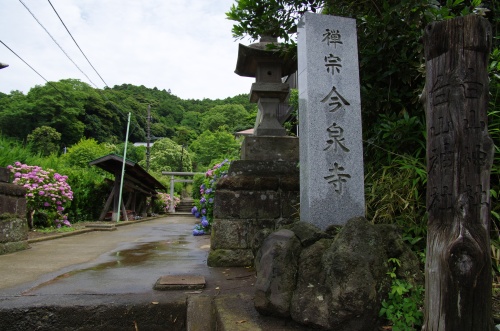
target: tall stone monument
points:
(331, 151)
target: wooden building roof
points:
(134, 173)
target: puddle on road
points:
(128, 257)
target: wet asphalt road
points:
(126, 261)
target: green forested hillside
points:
(77, 110)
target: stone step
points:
(199, 314)
(183, 213)
(231, 314)
(185, 205)
(183, 210)
(237, 313)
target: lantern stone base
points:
(284, 148)
(255, 199)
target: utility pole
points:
(182, 156)
(148, 138)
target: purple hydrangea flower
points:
(198, 232)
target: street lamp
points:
(3, 65)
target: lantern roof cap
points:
(249, 57)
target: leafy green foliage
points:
(12, 150)
(90, 191)
(395, 194)
(64, 111)
(134, 153)
(211, 146)
(166, 155)
(276, 18)
(403, 307)
(85, 151)
(234, 117)
(44, 140)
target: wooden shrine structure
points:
(138, 185)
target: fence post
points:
(459, 158)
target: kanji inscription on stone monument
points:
(331, 151)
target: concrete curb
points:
(97, 227)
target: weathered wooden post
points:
(459, 157)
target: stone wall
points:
(13, 225)
(255, 199)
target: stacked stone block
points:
(255, 199)
(13, 226)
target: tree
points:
(276, 18)
(44, 140)
(86, 150)
(60, 106)
(17, 116)
(191, 120)
(184, 135)
(235, 117)
(102, 120)
(210, 146)
(134, 153)
(166, 155)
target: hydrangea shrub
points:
(204, 207)
(46, 191)
(165, 200)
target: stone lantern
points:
(262, 190)
(268, 67)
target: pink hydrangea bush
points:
(47, 192)
(166, 201)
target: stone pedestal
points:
(13, 225)
(256, 198)
(263, 148)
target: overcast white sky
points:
(182, 45)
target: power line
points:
(105, 84)
(20, 58)
(59, 91)
(52, 85)
(54, 40)
(76, 43)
